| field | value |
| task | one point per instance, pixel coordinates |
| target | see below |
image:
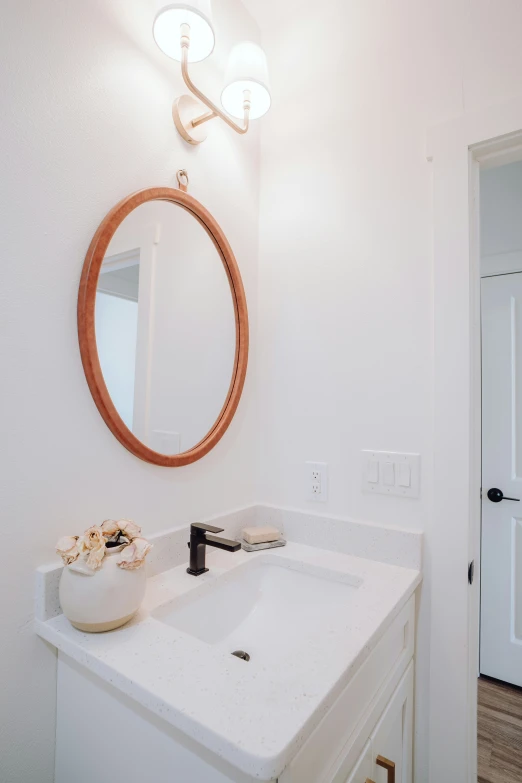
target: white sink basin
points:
(266, 608)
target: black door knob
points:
(496, 495)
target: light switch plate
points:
(397, 473)
(166, 441)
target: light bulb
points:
(167, 29)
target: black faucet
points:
(198, 543)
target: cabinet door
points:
(392, 738)
(363, 768)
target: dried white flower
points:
(95, 557)
(67, 548)
(93, 538)
(110, 528)
(133, 556)
(92, 546)
(129, 529)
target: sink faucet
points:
(198, 543)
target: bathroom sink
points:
(309, 619)
(267, 609)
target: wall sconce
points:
(184, 32)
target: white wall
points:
(86, 120)
(345, 293)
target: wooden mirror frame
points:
(87, 334)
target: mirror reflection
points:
(165, 327)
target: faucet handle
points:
(206, 528)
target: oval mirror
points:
(163, 326)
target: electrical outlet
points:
(317, 481)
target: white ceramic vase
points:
(101, 600)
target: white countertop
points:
(253, 716)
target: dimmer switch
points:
(372, 471)
(403, 475)
(389, 474)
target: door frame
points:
(457, 150)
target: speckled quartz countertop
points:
(254, 716)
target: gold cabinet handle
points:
(369, 781)
(387, 765)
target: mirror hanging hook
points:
(183, 180)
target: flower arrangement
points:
(91, 547)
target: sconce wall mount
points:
(185, 33)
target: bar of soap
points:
(260, 535)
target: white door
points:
(392, 740)
(501, 560)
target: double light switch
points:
(391, 473)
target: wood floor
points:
(499, 732)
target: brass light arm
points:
(214, 110)
(204, 118)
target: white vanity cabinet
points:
(391, 739)
(363, 767)
(393, 734)
(372, 717)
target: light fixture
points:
(184, 32)
(247, 70)
(167, 26)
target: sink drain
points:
(241, 654)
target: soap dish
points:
(255, 547)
